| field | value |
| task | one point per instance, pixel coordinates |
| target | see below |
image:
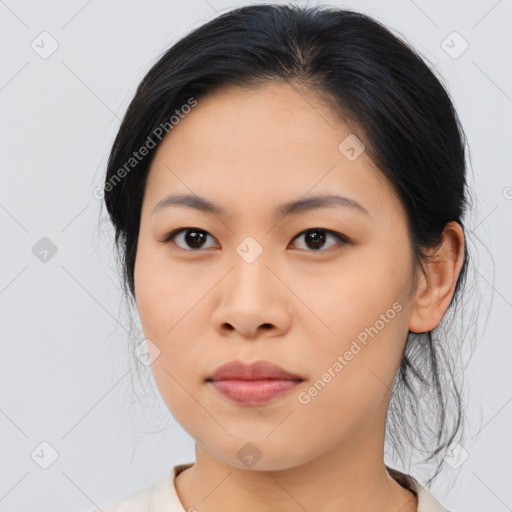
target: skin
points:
(299, 307)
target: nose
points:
(251, 300)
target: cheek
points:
(163, 313)
(352, 375)
(366, 312)
(354, 295)
(169, 303)
(160, 292)
(148, 296)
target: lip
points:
(237, 370)
(252, 384)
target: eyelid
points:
(343, 239)
(175, 232)
(339, 236)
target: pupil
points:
(192, 238)
(318, 241)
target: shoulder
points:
(161, 496)
(426, 502)
(139, 501)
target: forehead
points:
(269, 143)
(268, 115)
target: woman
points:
(288, 188)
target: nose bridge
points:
(250, 279)
(250, 294)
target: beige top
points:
(162, 497)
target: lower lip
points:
(253, 391)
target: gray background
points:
(65, 368)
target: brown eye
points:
(316, 238)
(189, 238)
(195, 239)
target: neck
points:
(350, 477)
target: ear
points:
(436, 286)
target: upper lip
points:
(254, 371)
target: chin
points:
(260, 455)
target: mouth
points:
(252, 384)
(253, 392)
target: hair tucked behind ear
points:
(380, 86)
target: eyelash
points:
(341, 238)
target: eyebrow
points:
(290, 208)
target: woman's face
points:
(251, 282)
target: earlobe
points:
(436, 286)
